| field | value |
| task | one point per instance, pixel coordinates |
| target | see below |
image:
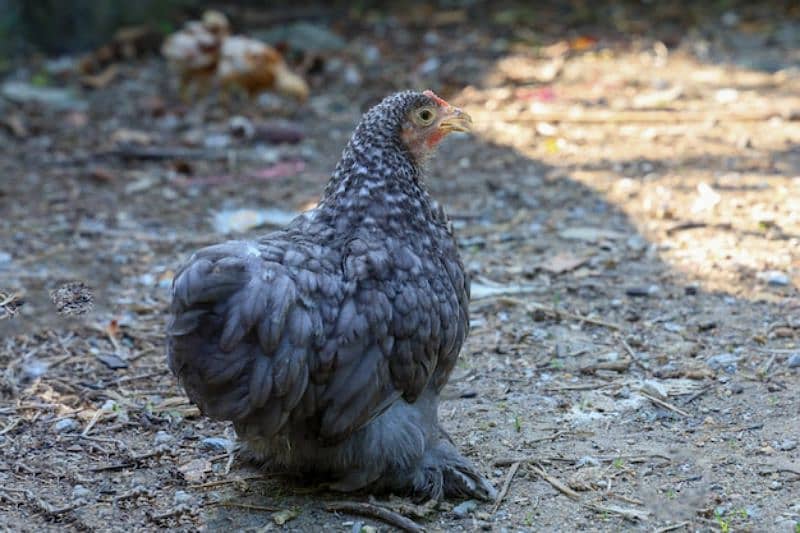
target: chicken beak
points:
(455, 120)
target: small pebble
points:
(162, 437)
(787, 445)
(5, 257)
(80, 492)
(794, 360)
(65, 425)
(736, 388)
(725, 361)
(182, 497)
(217, 444)
(775, 278)
(463, 509)
(775, 485)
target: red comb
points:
(430, 94)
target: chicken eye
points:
(425, 116)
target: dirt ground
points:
(628, 208)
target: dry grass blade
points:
(673, 527)
(373, 511)
(509, 478)
(665, 405)
(248, 506)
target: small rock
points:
(794, 360)
(787, 445)
(5, 257)
(182, 497)
(774, 278)
(162, 437)
(691, 290)
(463, 509)
(655, 389)
(352, 76)
(217, 444)
(726, 361)
(775, 485)
(34, 368)
(79, 492)
(66, 425)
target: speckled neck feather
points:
(377, 177)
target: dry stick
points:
(633, 355)
(217, 483)
(697, 394)
(665, 405)
(673, 527)
(511, 473)
(531, 306)
(373, 511)
(555, 483)
(11, 426)
(248, 506)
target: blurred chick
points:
(254, 66)
(194, 51)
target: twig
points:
(673, 527)
(242, 505)
(373, 511)
(633, 355)
(603, 459)
(665, 405)
(220, 482)
(533, 306)
(42, 505)
(11, 426)
(765, 369)
(697, 394)
(630, 514)
(620, 365)
(555, 483)
(176, 511)
(506, 484)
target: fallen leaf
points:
(563, 262)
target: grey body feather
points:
(327, 343)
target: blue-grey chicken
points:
(327, 343)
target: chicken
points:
(194, 51)
(254, 67)
(327, 343)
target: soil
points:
(628, 208)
